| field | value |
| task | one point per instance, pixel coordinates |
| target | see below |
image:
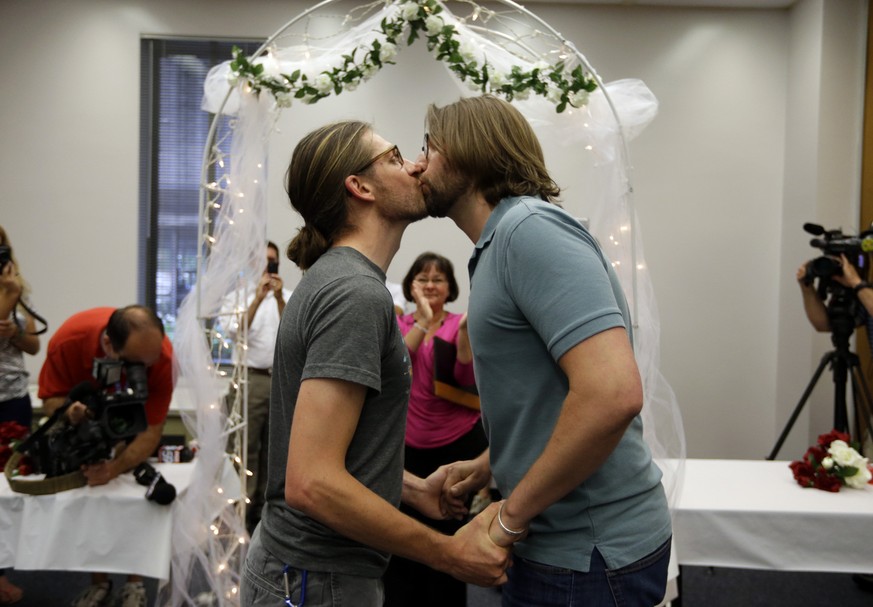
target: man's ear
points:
(106, 344)
(359, 188)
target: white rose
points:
(387, 52)
(827, 463)
(541, 66)
(350, 86)
(843, 454)
(368, 71)
(433, 25)
(233, 79)
(271, 65)
(323, 83)
(860, 479)
(467, 51)
(497, 79)
(578, 99)
(409, 10)
(522, 95)
(284, 99)
(554, 94)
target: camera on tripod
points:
(833, 244)
(116, 412)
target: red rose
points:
(815, 455)
(825, 440)
(803, 473)
(826, 482)
(12, 430)
(24, 469)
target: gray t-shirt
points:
(539, 286)
(338, 324)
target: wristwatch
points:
(861, 285)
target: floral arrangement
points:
(832, 463)
(12, 433)
(418, 18)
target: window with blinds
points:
(173, 131)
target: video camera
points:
(116, 412)
(833, 244)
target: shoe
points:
(133, 594)
(9, 592)
(96, 595)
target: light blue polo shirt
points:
(539, 286)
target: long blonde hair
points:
(490, 142)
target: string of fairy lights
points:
(224, 201)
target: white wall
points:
(758, 132)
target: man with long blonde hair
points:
(560, 391)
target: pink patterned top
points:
(433, 421)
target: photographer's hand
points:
(99, 473)
(849, 277)
(76, 413)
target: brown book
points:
(444, 383)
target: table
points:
(753, 515)
(111, 528)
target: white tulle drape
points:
(597, 134)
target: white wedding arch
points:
(331, 49)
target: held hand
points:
(462, 479)
(276, 284)
(476, 559)
(421, 303)
(462, 324)
(431, 504)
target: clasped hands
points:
(450, 487)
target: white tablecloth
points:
(110, 528)
(752, 514)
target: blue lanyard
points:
(288, 588)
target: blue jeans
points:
(263, 584)
(640, 584)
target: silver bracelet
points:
(419, 327)
(506, 529)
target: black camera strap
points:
(36, 316)
(27, 443)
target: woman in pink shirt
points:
(438, 431)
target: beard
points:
(409, 207)
(442, 194)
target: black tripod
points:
(842, 361)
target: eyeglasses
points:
(437, 281)
(425, 146)
(396, 157)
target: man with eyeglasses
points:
(560, 391)
(341, 379)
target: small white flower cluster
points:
(841, 455)
(553, 82)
